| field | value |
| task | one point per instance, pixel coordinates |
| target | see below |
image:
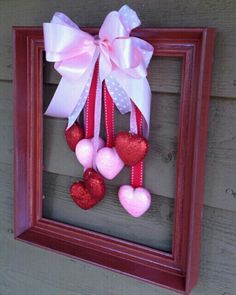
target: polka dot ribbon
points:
(136, 127)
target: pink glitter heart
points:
(108, 162)
(84, 151)
(135, 201)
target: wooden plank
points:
(29, 270)
(220, 181)
(6, 125)
(160, 163)
(164, 74)
(154, 229)
(167, 14)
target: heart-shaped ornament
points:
(73, 135)
(94, 184)
(132, 148)
(88, 193)
(136, 201)
(81, 196)
(84, 151)
(108, 162)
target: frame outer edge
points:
(205, 75)
(23, 205)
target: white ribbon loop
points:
(123, 61)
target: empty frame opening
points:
(61, 168)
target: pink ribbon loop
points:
(123, 61)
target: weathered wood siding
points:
(29, 270)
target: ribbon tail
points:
(133, 121)
(80, 105)
(140, 93)
(118, 94)
(64, 99)
(97, 119)
(71, 94)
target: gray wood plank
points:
(164, 74)
(6, 119)
(220, 165)
(153, 229)
(160, 163)
(170, 13)
(29, 270)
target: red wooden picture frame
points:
(177, 271)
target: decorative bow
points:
(123, 61)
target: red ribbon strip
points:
(137, 170)
(90, 105)
(109, 109)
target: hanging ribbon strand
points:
(123, 61)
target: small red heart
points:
(81, 196)
(94, 184)
(73, 135)
(89, 192)
(132, 148)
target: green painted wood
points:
(29, 270)
(169, 13)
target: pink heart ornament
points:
(136, 201)
(84, 151)
(108, 162)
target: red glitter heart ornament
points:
(73, 135)
(94, 184)
(81, 196)
(132, 148)
(86, 194)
